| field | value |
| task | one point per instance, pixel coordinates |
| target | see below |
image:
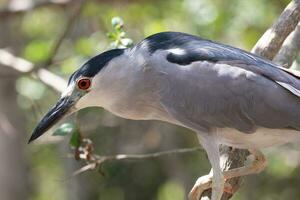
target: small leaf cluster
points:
(118, 35)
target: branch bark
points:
(23, 66)
(289, 50)
(267, 46)
(271, 41)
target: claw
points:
(204, 183)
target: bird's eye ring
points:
(84, 83)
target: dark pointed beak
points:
(62, 108)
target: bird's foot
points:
(204, 183)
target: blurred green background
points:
(43, 171)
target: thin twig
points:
(150, 155)
(85, 168)
(69, 25)
(95, 160)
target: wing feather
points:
(206, 95)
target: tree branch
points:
(275, 36)
(289, 50)
(21, 65)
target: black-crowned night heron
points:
(226, 95)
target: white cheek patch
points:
(68, 91)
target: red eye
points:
(84, 84)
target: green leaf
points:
(65, 129)
(110, 35)
(75, 139)
(68, 128)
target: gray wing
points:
(204, 95)
(206, 84)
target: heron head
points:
(82, 91)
